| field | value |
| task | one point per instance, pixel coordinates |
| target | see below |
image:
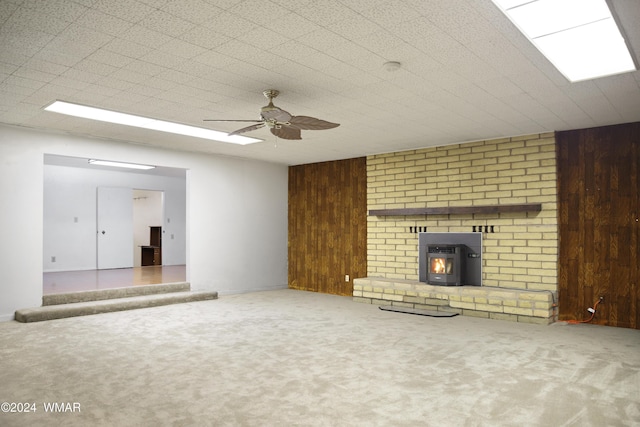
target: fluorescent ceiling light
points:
(102, 115)
(579, 37)
(120, 164)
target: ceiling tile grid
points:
(466, 72)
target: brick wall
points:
(521, 253)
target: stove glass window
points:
(441, 265)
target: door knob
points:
(103, 231)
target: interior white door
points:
(115, 227)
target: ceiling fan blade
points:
(286, 132)
(247, 129)
(247, 121)
(311, 123)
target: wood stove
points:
(446, 264)
(450, 259)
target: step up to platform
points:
(103, 294)
(109, 300)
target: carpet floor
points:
(294, 358)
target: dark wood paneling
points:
(599, 206)
(327, 225)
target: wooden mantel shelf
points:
(459, 210)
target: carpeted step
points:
(60, 311)
(104, 294)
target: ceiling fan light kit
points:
(280, 122)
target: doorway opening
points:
(148, 211)
(72, 229)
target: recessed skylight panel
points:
(579, 37)
(110, 116)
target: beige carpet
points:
(293, 358)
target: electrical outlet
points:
(53, 259)
(346, 277)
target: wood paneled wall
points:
(327, 225)
(599, 209)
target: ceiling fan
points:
(281, 123)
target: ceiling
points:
(467, 74)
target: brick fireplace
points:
(519, 247)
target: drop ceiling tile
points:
(110, 58)
(145, 36)
(163, 59)
(390, 13)
(69, 83)
(362, 5)
(127, 48)
(175, 76)
(230, 25)
(79, 40)
(327, 12)
(32, 74)
(7, 9)
(45, 66)
(322, 39)
(128, 10)
(166, 24)
(195, 11)
(353, 27)
(68, 59)
(238, 49)
(146, 89)
(130, 100)
(195, 69)
(358, 56)
(216, 59)
(182, 49)
(619, 85)
(292, 25)
(379, 42)
(114, 83)
(103, 22)
(65, 10)
(21, 84)
(29, 20)
(91, 66)
(267, 60)
(156, 84)
(204, 37)
(28, 42)
(259, 11)
(82, 76)
(96, 93)
(414, 31)
(7, 69)
(500, 87)
(294, 50)
(143, 68)
(331, 66)
(263, 38)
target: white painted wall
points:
(236, 238)
(70, 195)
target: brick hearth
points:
(518, 305)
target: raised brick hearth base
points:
(517, 305)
